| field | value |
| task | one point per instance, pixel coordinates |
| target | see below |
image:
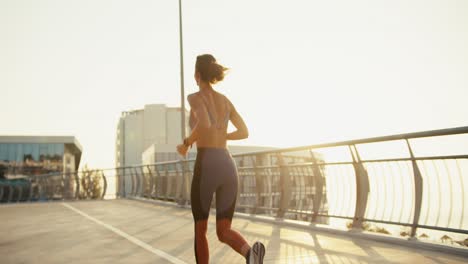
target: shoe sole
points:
(258, 250)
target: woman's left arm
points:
(202, 122)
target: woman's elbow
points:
(246, 134)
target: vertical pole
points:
(182, 91)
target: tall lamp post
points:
(182, 92)
(183, 200)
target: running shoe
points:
(256, 253)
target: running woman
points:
(215, 171)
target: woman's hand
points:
(182, 150)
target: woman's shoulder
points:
(222, 96)
(193, 97)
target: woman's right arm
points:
(242, 132)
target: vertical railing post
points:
(38, 187)
(257, 161)
(186, 181)
(319, 183)
(285, 186)
(179, 169)
(30, 189)
(104, 188)
(118, 179)
(42, 188)
(62, 183)
(77, 187)
(141, 181)
(1, 191)
(240, 185)
(362, 188)
(69, 185)
(151, 187)
(89, 185)
(46, 189)
(158, 184)
(66, 186)
(50, 189)
(128, 182)
(418, 191)
(9, 187)
(136, 183)
(20, 192)
(269, 179)
(168, 184)
(131, 182)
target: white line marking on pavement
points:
(130, 238)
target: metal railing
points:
(368, 182)
(340, 180)
(53, 186)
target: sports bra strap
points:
(212, 119)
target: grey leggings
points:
(215, 172)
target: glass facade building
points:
(37, 158)
(23, 156)
(35, 168)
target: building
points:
(22, 157)
(34, 155)
(139, 129)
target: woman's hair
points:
(210, 71)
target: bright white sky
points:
(302, 72)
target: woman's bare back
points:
(212, 111)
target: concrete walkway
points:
(125, 231)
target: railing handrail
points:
(412, 135)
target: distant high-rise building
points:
(139, 129)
